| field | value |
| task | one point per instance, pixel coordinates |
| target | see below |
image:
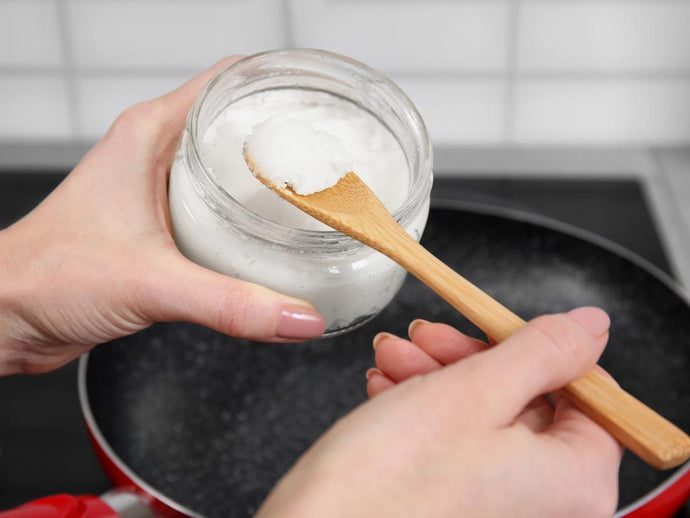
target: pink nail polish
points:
(299, 323)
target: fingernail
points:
(593, 320)
(380, 337)
(415, 324)
(371, 372)
(299, 323)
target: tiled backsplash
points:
(481, 71)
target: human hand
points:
(457, 429)
(96, 259)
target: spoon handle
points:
(650, 436)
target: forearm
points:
(9, 340)
(23, 301)
(95, 260)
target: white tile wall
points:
(34, 107)
(173, 34)
(481, 71)
(102, 98)
(604, 35)
(637, 111)
(29, 34)
(410, 35)
(465, 111)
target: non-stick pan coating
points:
(213, 422)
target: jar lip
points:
(290, 236)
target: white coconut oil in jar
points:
(224, 219)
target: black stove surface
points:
(44, 447)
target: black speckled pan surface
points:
(213, 422)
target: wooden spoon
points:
(353, 209)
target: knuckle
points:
(236, 313)
(134, 123)
(231, 315)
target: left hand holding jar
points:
(96, 261)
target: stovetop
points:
(44, 447)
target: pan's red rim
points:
(104, 446)
(656, 493)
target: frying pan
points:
(199, 424)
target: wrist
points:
(9, 320)
(314, 488)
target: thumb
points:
(189, 292)
(544, 355)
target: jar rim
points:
(290, 237)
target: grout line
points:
(478, 1)
(9, 71)
(557, 75)
(510, 82)
(391, 2)
(92, 72)
(149, 1)
(68, 68)
(154, 70)
(599, 1)
(288, 23)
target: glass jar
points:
(347, 282)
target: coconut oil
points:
(226, 220)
